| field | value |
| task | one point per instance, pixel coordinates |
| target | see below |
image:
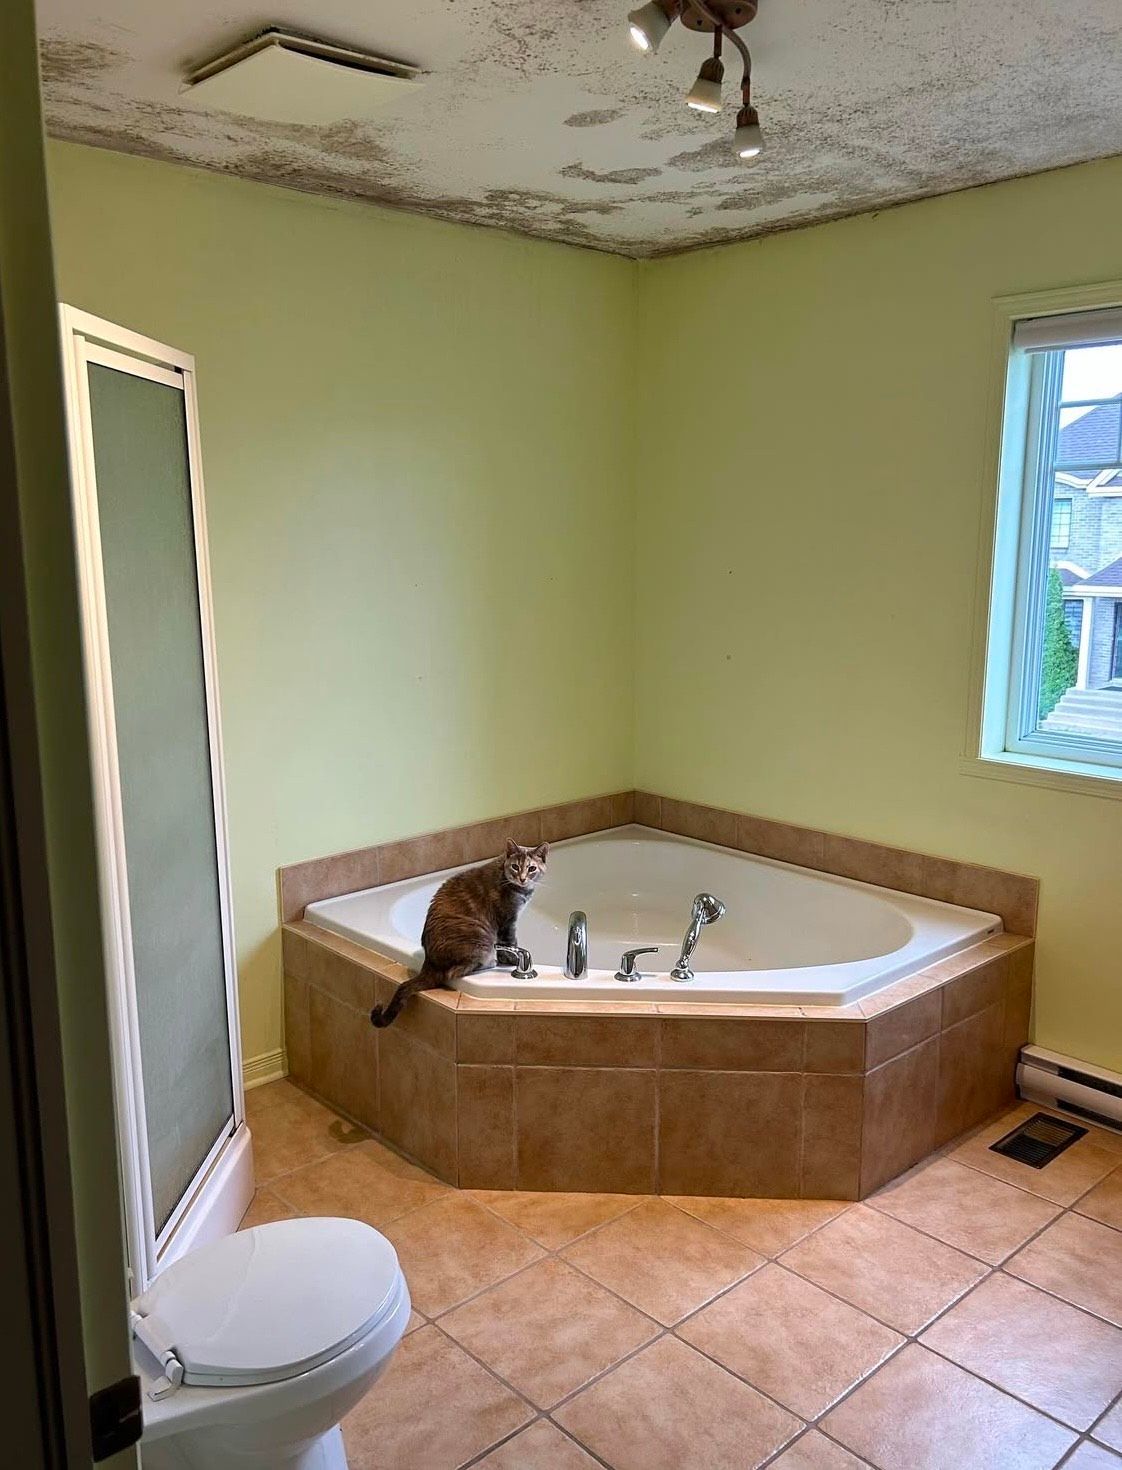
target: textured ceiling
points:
(540, 117)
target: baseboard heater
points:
(1071, 1086)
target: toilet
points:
(252, 1349)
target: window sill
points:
(1080, 778)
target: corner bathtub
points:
(790, 936)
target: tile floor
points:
(967, 1317)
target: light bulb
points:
(705, 94)
(749, 140)
(648, 26)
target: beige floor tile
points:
(790, 1339)
(664, 1261)
(291, 1129)
(555, 1220)
(1109, 1428)
(976, 1213)
(415, 1321)
(1079, 1260)
(369, 1182)
(433, 1409)
(541, 1447)
(548, 1330)
(922, 1413)
(453, 1248)
(257, 1099)
(1062, 1181)
(668, 1408)
(1090, 1456)
(767, 1225)
(885, 1268)
(815, 1452)
(1104, 1202)
(1057, 1358)
(265, 1207)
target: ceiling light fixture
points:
(721, 18)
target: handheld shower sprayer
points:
(706, 910)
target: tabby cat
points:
(472, 916)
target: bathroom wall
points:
(813, 418)
(417, 449)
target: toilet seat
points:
(269, 1303)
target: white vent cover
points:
(279, 77)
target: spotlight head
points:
(749, 140)
(649, 24)
(705, 94)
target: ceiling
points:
(540, 117)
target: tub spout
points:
(706, 910)
(576, 947)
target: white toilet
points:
(251, 1350)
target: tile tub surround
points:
(944, 1323)
(691, 1100)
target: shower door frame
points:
(218, 1194)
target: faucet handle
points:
(627, 970)
(521, 959)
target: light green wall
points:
(810, 493)
(417, 452)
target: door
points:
(158, 776)
(1116, 661)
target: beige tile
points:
(815, 1452)
(1079, 1260)
(453, 1248)
(1104, 1202)
(485, 1127)
(870, 862)
(266, 1094)
(540, 1447)
(433, 1409)
(294, 956)
(923, 1413)
(1091, 1456)
(979, 1215)
(585, 1129)
(340, 976)
(802, 846)
(1011, 895)
(1109, 1428)
(586, 1041)
(555, 1220)
(428, 1018)
(548, 1330)
(648, 809)
(291, 1129)
(833, 1123)
(297, 1028)
(835, 1046)
(368, 1182)
(976, 1075)
(1062, 1181)
(793, 1341)
(903, 1027)
(899, 1124)
(751, 1045)
(707, 823)
(484, 1039)
(665, 1262)
(264, 1208)
(729, 1133)
(344, 1057)
(417, 1101)
(975, 990)
(575, 818)
(668, 1408)
(767, 1225)
(1058, 1359)
(884, 1268)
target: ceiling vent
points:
(279, 77)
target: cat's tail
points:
(425, 979)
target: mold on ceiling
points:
(538, 115)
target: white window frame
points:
(1002, 741)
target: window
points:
(1053, 678)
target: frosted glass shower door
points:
(142, 549)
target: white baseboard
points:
(269, 1066)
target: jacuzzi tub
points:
(790, 936)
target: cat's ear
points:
(542, 852)
(512, 847)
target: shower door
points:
(141, 543)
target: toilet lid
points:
(272, 1302)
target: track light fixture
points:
(722, 19)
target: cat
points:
(472, 916)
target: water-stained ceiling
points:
(540, 117)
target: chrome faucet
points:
(627, 971)
(576, 947)
(706, 910)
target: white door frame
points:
(217, 1196)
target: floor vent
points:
(1038, 1140)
